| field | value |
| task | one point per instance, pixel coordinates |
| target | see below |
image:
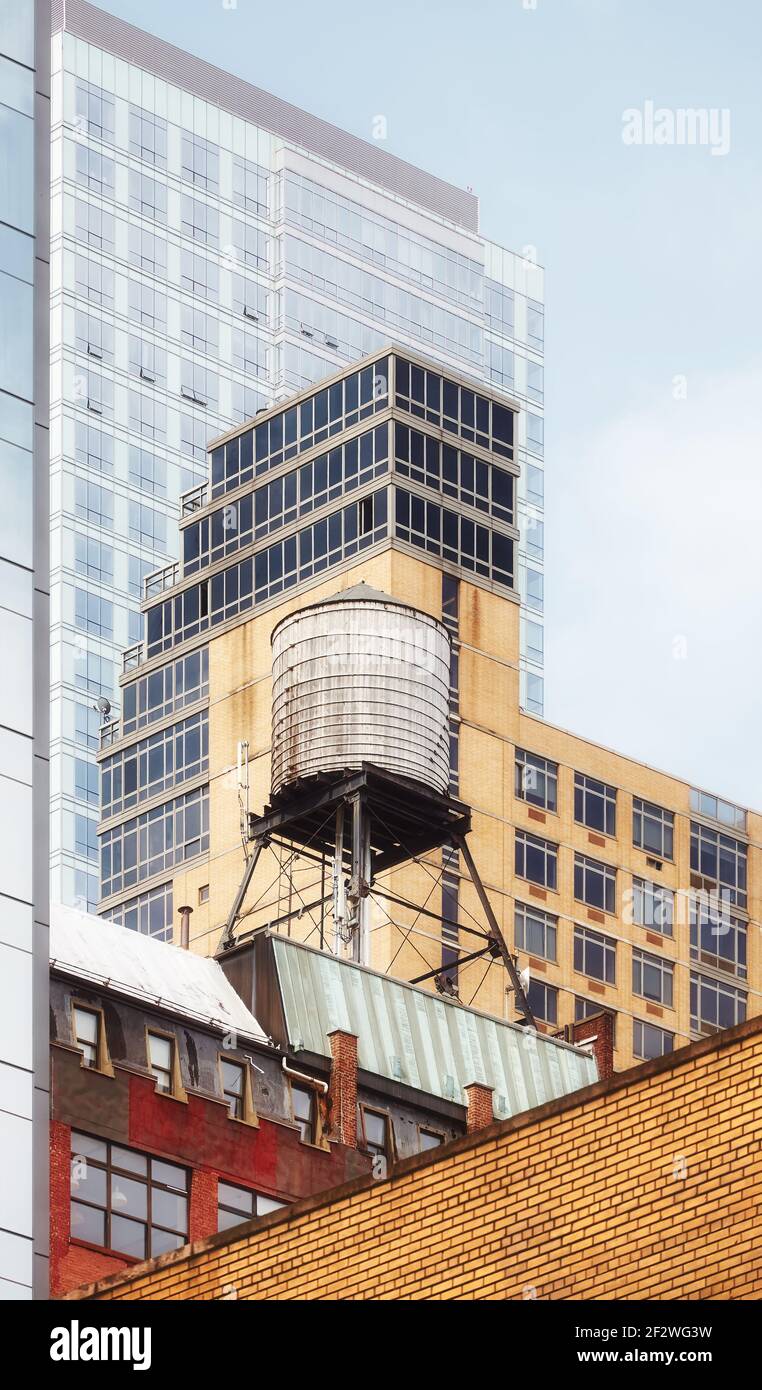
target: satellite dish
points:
(103, 707)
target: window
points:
(198, 384)
(93, 558)
(717, 939)
(536, 860)
(594, 955)
(86, 726)
(715, 1004)
(198, 275)
(94, 111)
(150, 913)
(154, 841)
(147, 196)
(648, 1041)
(93, 503)
(235, 590)
(594, 804)
(652, 978)
(652, 906)
(536, 931)
(594, 883)
(234, 1087)
(273, 441)
(126, 1201)
(200, 162)
(94, 336)
(94, 281)
(92, 447)
(714, 808)
(147, 472)
(536, 780)
(148, 416)
(249, 352)
(86, 781)
(543, 1001)
(199, 330)
(147, 526)
(87, 1029)
(147, 361)
(165, 691)
(94, 171)
(93, 614)
(85, 837)
(147, 305)
(203, 893)
(303, 1109)
(237, 1204)
(250, 185)
(147, 250)
(155, 764)
(373, 1133)
(721, 860)
(194, 433)
(161, 1059)
(450, 914)
(148, 137)
(200, 221)
(93, 226)
(454, 537)
(429, 1139)
(652, 828)
(453, 473)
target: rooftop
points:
(261, 108)
(142, 968)
(419, 1039)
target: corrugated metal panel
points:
(364, 680)
(409, 1035)
(269, 112)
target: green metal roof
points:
(423, 1040)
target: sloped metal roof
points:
(420, 1039)
(139, 967)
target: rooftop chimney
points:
(185, 915)
(598, 1030)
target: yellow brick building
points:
(648, 1186)
(589, 857)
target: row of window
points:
(235, 590)
(166, 691)
(147, 140)
(536, 782)
(397, 308)
(717, 941)
(454, 537)
(344, 223)
(154, 841)
(155, 764)
(454, 473)
(326, 413)
(715, 856)
(454, 408)
(278, 503)
(150, 913)
(536, 860)
(714, 1005)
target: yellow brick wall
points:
(649, 1186)
(492, 726)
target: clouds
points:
(654, 563)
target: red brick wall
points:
(601, 1028)
(198, 1135)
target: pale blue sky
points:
(651, 253)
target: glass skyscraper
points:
(24, 623)
(215, 249)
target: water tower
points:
(360, 757)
